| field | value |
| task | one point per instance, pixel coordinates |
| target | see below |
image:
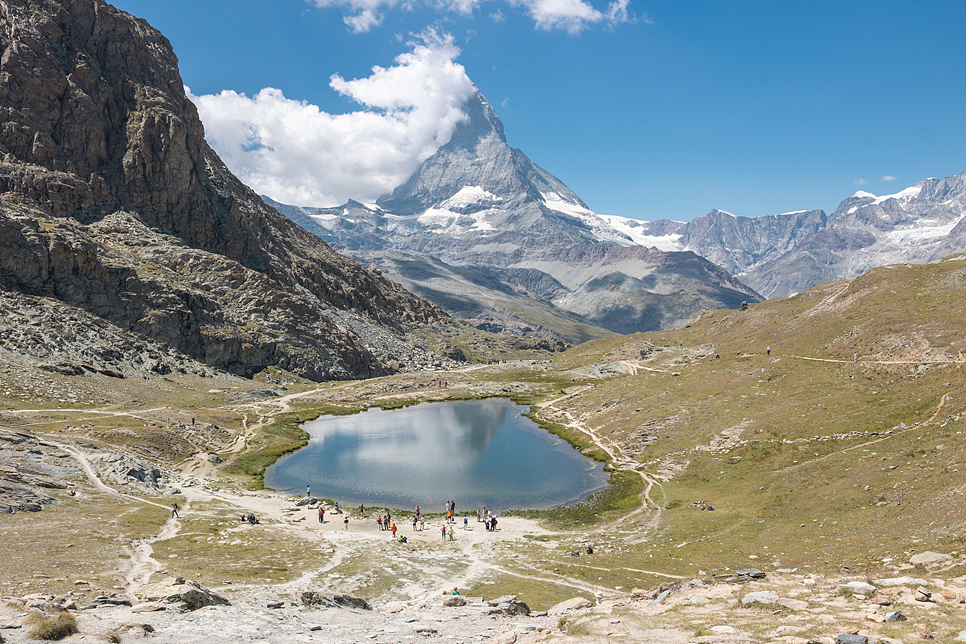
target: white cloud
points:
(295, 153)
(860, 182)
(572, 16)
(888, 177)
(364, 14)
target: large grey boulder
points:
(176, 590)
(324, 600)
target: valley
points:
(823, 429)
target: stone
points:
(454, 600)
(895, 616)
(323, 600)
(511, 607)
(508, 638)
(852, 639)
(922, 595)
(858, 587)
(274, 605)
(723, 630)
(698, 600)
(306, 500)
(564, 607)
(760, 597)
(928, 558)
(189, 594)
(901, 581)
(794, 604)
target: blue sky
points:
(646, 109)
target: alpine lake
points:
(474, 452)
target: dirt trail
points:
(619, 463)
(942, 402)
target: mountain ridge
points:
(112, 201)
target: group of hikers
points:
(386, 523)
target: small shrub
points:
(53, 627)
(113, 636)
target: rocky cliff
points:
(112, 202)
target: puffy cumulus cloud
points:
(888, 177)
(572, 16)
(298, 154)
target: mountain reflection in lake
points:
(479, 452)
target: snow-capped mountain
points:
(919, 224)
(479, 202)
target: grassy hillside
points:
(842, 447)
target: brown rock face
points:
(112, 201)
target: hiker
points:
(174, 511)
(386, 519)
(477, 515)
(415, 519)
(393, 529)
(493, 524)
(422, 523)
(466, 523)
(417, 510)
(337, 510)
(362, 509)
(455, 591)
(321, 514)
(444, 532)
(379, 521)
(346, 522)
(308, 490)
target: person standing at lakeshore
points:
(393, 529)
(321, 514)
(308, 490)
(346, 522)
(422, 523)
(444, 532)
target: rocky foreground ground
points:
(133, 594)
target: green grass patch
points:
(621, 496)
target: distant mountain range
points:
(784, 254)
(479, 203)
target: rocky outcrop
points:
(112, 202)
(183, 594)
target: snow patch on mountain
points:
(922, 231)
(902, 195)
(469, 196)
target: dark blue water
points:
(479, 452)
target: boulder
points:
(324, 600)
(858, 587)
(928, 558)
(189, 594)
(306, 500)
(453, 601)
(511, 607)
(760, 597)
(902, 581)
(852, 639)
(564, 607)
